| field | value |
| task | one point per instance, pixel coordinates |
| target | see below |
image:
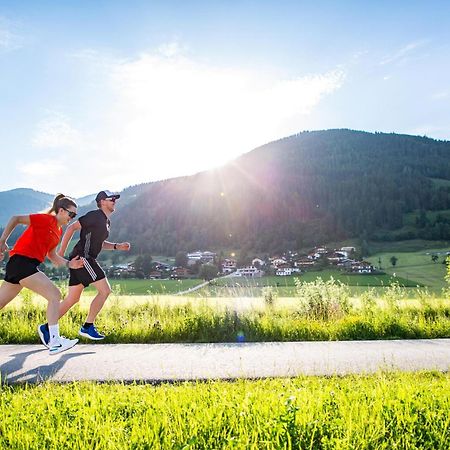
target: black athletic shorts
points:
(20, 267)
(88, 274)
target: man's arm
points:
(75, 226)
(124, 246)
(13, 222)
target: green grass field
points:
(416, 266)
(150, 287)
(383, 411)
(248, 287)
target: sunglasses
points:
(111, 200)
(70, 213)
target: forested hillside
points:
(22, 201)
(302, 190)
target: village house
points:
(179, 273)
(286, 271)
(275, 262)
(200, 256)
(119, 270)
(362, 267)
(304, 263)
(345, 263)
(229, 265)
(258, 262)
(249, 271)
(347, 250)
(336, 257)
(318, 252)
(156, 275)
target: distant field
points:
(248, 287)
(285, 286)
(416, 266)
(152, 287)
(226, 287)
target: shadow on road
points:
(37, 374)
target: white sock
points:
(54, 334)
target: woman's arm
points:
(13, 222)
(68, 236)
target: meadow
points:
(415, 265)
(320, 310)
(383, 411)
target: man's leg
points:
(72, 297)
(88, 329)
(103, 290)
(7, 292)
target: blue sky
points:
(107, 94)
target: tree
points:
(181, 259)
(434, 257)
(393, 260)
(143, 265)
(208, 271)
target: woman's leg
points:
(72, 297)
(103, 290)
(40, 284)
(7, 292)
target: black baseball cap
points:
(102, 195)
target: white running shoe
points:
(62, 345)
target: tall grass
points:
(321, 311)
(384, 411)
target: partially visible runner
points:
(38, 241)
(94, 230)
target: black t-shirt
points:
(94, 231)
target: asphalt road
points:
(178, 362)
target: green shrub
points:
(323, 300)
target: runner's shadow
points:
(15, 364)
(37, 374)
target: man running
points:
(94, 230)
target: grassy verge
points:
(383, 411)
(312, 317)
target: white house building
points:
(287, 271)
(258, 261)
(229, 266)
(249, 271)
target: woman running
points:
(39, 240)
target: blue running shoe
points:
(44, 334)
(91, 333)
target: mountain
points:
(22, 201)
(86, 200)
(302, 190)
(26, 201)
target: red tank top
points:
(41, 236)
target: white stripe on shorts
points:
(89, 269)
